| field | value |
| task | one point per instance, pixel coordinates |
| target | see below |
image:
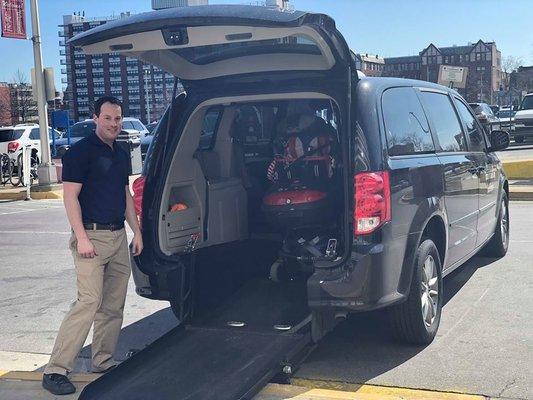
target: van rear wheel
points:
(416, 320)
(498, 245)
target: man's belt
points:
(103, 227)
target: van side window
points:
(406, 127)
(209, 127)
(473, 133)
(445, 122)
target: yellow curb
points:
(53, 194)
(518, 169)
(13, 195)
(346, 391)
(37, 376)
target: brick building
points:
(482, 59)
(370, 65)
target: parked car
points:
(147, 139)
(76, 132)
(151, 126)
(414, 190)
(14, 138)
(523, 120)
(485, 115)
(495, 108)
(134, 127)
(506, 118)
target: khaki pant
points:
(102, 284)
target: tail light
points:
(138, 191)
(12, 147)
(372, 201)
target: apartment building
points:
(144, 90)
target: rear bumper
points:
(368, 282)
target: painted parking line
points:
(37, 232)
(38, 376)
(322, 390)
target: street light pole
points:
(46, 171)
(147, 95)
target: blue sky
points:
(388, 28)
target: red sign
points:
(13, 19)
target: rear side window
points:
(473, 133)
(127, 125)
(445, 122)
(138, 126)
(7, 135)
(209, 127)
(406, 127)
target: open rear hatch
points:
(203, 42)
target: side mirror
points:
(499, 140)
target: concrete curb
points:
(522, 169)
(303, 389)
(12, 194)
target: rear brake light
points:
(372, 201)
(12, 147)
(138, 191)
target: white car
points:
(523, 120)
(14, 138)
(134, 127)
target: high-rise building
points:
(144, 90)
(160, 4)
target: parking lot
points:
(484, 345)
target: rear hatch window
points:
(7, 135)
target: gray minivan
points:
(281, 192)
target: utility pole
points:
(147, 96)
(46, 170)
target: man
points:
(97, 200)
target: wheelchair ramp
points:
(199, 364)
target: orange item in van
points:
(178, 207)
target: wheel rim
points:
(504, 226)
(429, 291)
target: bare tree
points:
(23, 106)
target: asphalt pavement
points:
(484, 345)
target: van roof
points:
(381, 83)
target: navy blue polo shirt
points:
(103, 172)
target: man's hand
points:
(86, 249)
(137, 244)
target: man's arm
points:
(71, 190)
(133, 222)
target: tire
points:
(411, 322)
(499, 243)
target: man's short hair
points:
(105, 99)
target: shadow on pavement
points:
(140, 334)
(362, 348)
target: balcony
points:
(62, 53)
(62, 43)
(63, 70)
(63, 61)
(62, 34)
(64, 80)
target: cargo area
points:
(257, 170)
